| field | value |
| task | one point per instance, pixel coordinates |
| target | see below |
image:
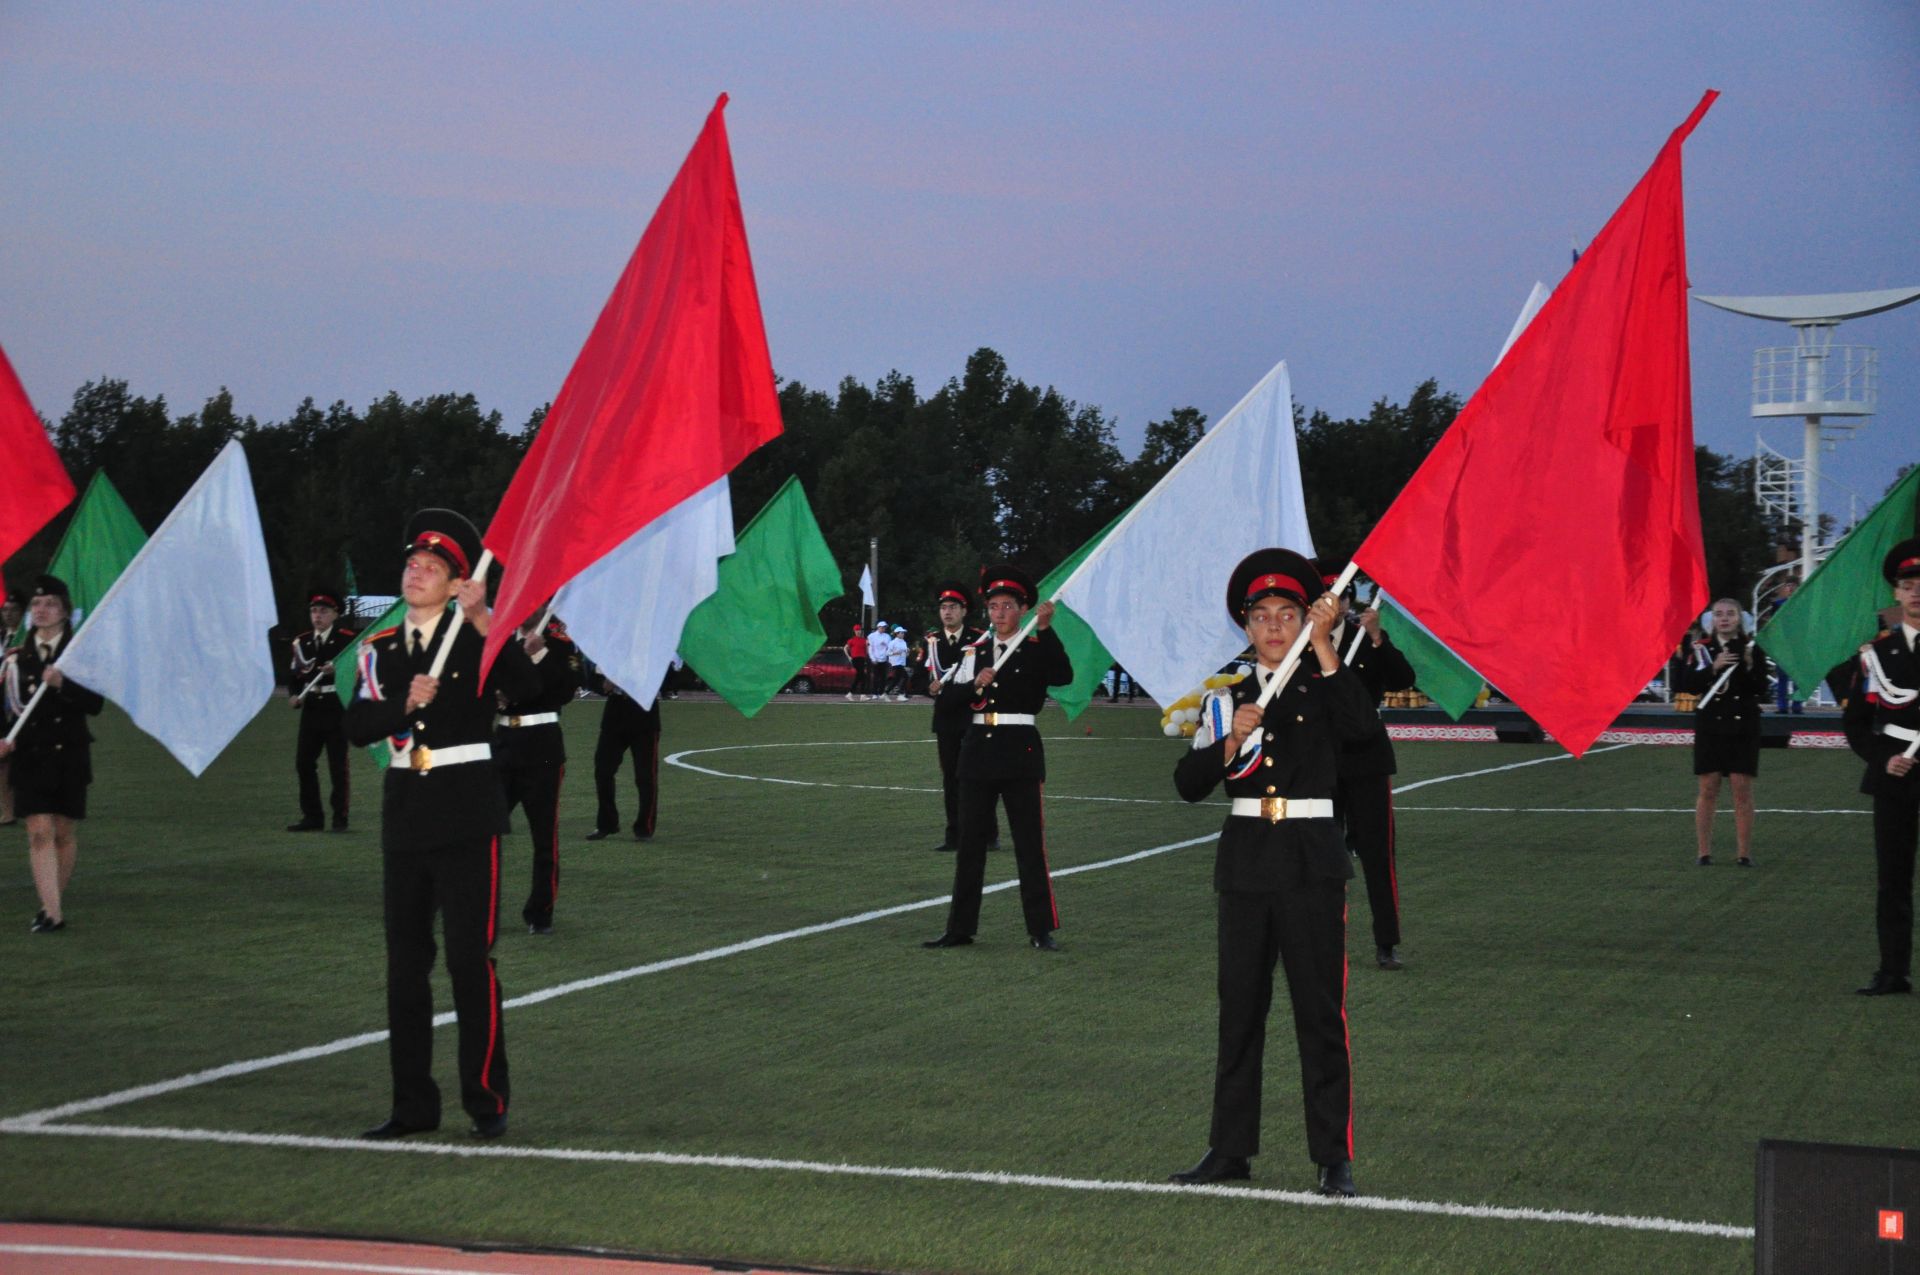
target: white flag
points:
(626, 611)
(180, 640)
(1155, 590)
(866, 586)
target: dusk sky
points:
(1143, 205)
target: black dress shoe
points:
(1704, 861)
(1214, 1167)
(993, 845)
(489, 1126)
(1388, 958)
(542, 928)
(950, 940)
(1744, 861)
(339, 823)
(1885, 985)
(599, 834)
(306, 825)
(945, 848)
(396, 1128)
(1336, 1179)
(1043, 941)
(44, 924)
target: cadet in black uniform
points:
(532, 754)
(323, 720)
(946, 646)
(1001, 758)
(12, 615)
(1280, 871)
(440, 818)
(1882, 721)
(1726, 731)
(625, 727)
(50, 763)
(1363, 802)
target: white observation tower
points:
(1835, 387)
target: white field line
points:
(476, 1150)
(27, 1121)
(242, 1260)
(1604, 810)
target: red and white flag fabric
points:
(1552, 538)
(673, 388)
(37, 486)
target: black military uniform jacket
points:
(424, 808)
(559, 671)
(312, 655)
(59, 724)
(951, 715)
(1305, 725)
(1381, 668)
(1868, 711)
(1735, 708)
(993, 752)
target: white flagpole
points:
(1713, 690)
(1292, 661)
(1354, 648)
(459, 615)
(27, 711)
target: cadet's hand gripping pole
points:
(1292, 661)
(459, 617)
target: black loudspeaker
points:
(1827, 1209)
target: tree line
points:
(987, 467)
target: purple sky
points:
(1142, 206)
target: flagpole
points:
(460, 615)
(1713, 690)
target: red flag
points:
(1552, 538)
(673, 388)
(37, 483)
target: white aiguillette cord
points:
(1713, 690)
(1292, 661)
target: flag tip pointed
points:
(720, 103)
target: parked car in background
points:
(828, 670)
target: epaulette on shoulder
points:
(389, 632)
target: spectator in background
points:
(879, 644)
(856, 652)
(897, 664)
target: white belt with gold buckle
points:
(424, 759)
(526, 719)
(1274, 809)
(1003, 719)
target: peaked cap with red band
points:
(1903, 560)
(954, 591)
(1271, 573)
(1004, 577)
(448, 536)
(324, 597)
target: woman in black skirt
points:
(50, 763)
(1726, 727)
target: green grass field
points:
(1588, 1023)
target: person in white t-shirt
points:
(879, 646)
(897, 664)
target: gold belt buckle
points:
(513, 721)
(993, 719)
(422, 758)
(1273, 809)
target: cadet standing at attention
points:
(1280, 871)
(440, 818)
(322, 719)
(946, 646)
(533, 758)
(1001, 758)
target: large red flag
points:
(37, 486)
(673, 388)
(1552, 538)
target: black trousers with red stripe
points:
(1304, 929)
(1364, 806)
(619, 735)
(323, 729)
(536, 790)
(461, 881)
(1021, 798)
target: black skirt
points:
(1734, 753)
(51, 783)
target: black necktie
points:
(418, 645)
(46, 653)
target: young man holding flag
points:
(440, 820)
(323, 722)
(946, 646)
(1883, 726)
(1281, 871)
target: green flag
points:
(763, 622)
(352, 585)
(1437, 671)
(1829, 616)
(1090, 659)
(345, 670)
(96, 547)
